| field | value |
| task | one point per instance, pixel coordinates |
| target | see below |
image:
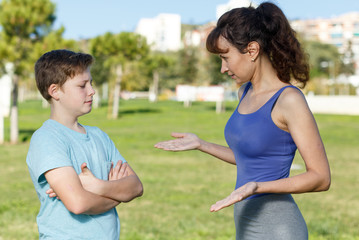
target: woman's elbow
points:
(140, 190)
(324, 183)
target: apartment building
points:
(340, 31)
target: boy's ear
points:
(53, 91)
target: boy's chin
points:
(85, 112)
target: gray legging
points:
(272, 216)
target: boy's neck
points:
(69, 122)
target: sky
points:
(90, 18)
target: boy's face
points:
(75, 96)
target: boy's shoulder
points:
(48, 134)
(48, 128)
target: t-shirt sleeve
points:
(46, 152)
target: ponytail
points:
(268, 26)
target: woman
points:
(259, 50)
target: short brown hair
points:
(56, 66)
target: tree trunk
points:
(154, 93)
(2, 135)
(117, 91)
(14, 129)
(96, 99)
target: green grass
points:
(180, 187)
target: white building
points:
(223, 8)
(163, 33)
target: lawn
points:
(180, 187)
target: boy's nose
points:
(92, 91)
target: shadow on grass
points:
(25, 134)
(226, 109)
(140, 110)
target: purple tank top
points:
(263, 152)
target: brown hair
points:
(268, 26)
(57, 66)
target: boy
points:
(71, 164)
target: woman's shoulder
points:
(292, 99)
(291, 94)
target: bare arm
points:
(190, 141)
(123, 184)
(66, 184)
(301, 124)
(304, 131)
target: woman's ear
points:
(253, 50)
(53, 91)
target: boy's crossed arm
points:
(123, 184)
(86, 194)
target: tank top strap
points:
(272, 101)
(249, 84)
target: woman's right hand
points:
(183, 142)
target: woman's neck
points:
(265, 78)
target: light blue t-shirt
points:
(53, 146)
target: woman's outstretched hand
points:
(236, 196)
(183, 142)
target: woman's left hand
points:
(236, 196)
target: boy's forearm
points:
(98, 204)
(122, 190)
(66, 184)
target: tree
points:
(320, 53)
(188, 60)
(155, 65)
(26, 34)
(117, 54)
(23, 23)
(214, 65)
(324, 60)
(347, 66)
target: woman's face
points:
(237, 65)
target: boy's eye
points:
(223, 57)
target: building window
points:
(336, 35)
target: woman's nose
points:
(224, 67)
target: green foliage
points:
(111, 50)
(321, 55)
(214, 66)
(25, 36)
(347, 65)
(23, 23)
(188, 61)
(26, 18)
(159, 63)
(180, 187)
